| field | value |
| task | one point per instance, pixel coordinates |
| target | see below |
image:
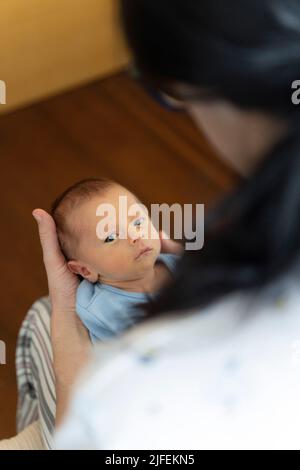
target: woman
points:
(223, 370)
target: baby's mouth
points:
(143, 252)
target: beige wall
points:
(47, 46)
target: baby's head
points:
(112, 257)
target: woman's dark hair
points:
(248, 53)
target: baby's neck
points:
(150, 282)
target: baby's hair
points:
(70, 199)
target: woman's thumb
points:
(48, 236)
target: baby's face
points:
(119, 254)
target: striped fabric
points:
(35, 374)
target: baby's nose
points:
(134, 239)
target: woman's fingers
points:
(170, 246)
(47, 231)
(61, 282)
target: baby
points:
(118, 272)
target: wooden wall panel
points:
(50, 45)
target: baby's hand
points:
(170, 246)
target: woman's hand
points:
(61, 282)
(170, 246)
(70, 340)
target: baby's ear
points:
(77, 268)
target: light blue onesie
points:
(106, 311)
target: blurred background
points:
(73, 111)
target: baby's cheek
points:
(107, 263)
(156, 245)
(152, 232)
(117, 263)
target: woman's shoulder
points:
(236, 359)
(279, 303)
(237, 318)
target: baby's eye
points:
(111, 238)
(138, 222)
